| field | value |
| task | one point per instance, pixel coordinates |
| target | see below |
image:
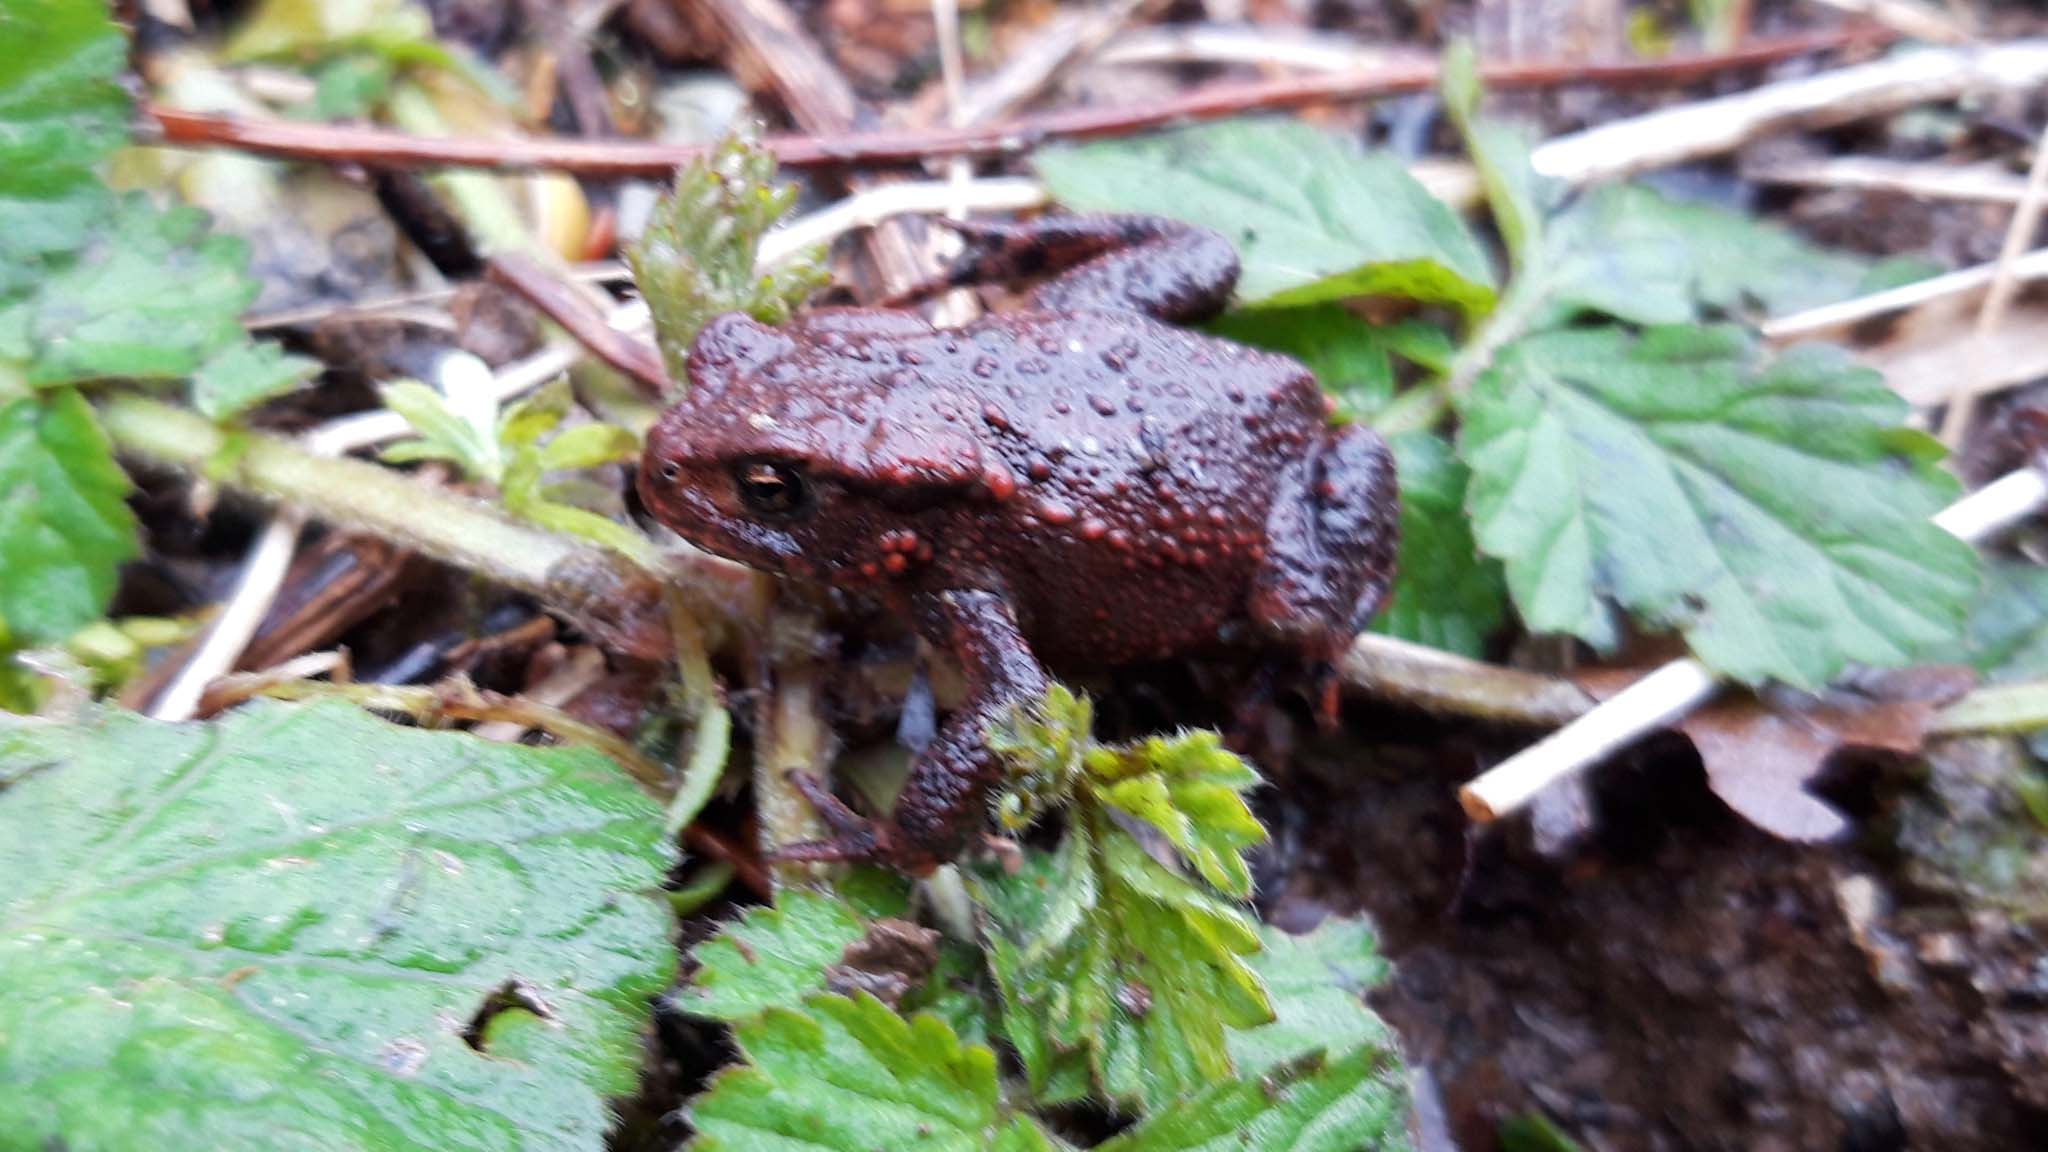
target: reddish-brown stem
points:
(565, 305)
(383, 148)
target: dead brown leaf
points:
(1762, 752)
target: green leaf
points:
(846, 1075)
(245, 375)
(1446, 594)
(62, 112)
(284, 929)
(1353, 358)
(771, 958)
(1318, 984)
(2008, 632)
(1313, 220)
(1518, 197)
(1141, 987)
(444, 433)
(1774, 512)
(1533, 1132)
(1355, 1103)
(697, 257)
(1191, 789)
(152, 296)
(65, 528)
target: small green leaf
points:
(1533, 1132)
(1318, 984)
(844, 1075)
(589, 446)
(287, 927)
(444, 433)
(245, 375)
(1446, 594)
(62, 112)
(1775, 512)
(1313, 220)
(1191, 789)
(771, 958)
(1355, 1103)
(698, 255)
(65, 528)
(1353, 358)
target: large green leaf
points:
(1354, 1103)
(1313, 220)
(303, 927)
(2008, 633)
(848, 1075)
(1445, 594)
(1775, 512)
(65, 528)
(61, 113)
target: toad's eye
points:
(772, 489)
(670, 470)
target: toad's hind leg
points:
(1163, 268)
(1330, 539)
(945, 800)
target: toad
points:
(1076, 484)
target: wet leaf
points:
(65, 528)
(303, 926)
(848, 1075)
(1313, 220)
(1774, 511)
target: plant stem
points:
(604, 593)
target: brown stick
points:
(565, 305)
(617, 158)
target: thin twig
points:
(262, 574)
(1946, 74)
(1252, 44)
(1683, 685)
(1988, 183)
(2026, 220)
(559, 300)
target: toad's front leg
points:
(945, 800)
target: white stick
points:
(1683, 685)
(262, 575)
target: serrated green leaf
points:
(697, 257)
(848, 1075)
(1445, 594)
(275, 931)
(771, 958)
(1355, 1103)
(152, 296)
(1141, 989)
(1313, 220)
(62, 112)
(65, 528)
(1191, 789)
(1318, 984)
(588, 446)
(245, 375)
(1353, 359)
(1774, 512)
